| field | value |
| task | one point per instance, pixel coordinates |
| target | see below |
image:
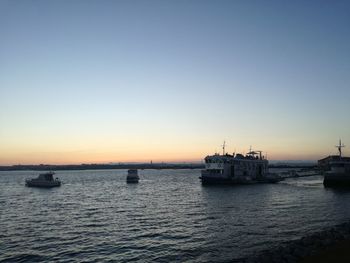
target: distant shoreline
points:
(46, 167)
(49, 167)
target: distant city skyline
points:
(134, 81)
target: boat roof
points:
(335, 158)
(237, 156)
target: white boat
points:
(132, 176)
(237, 169)
(338, 173)
(44, 180)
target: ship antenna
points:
(339, 147)
(223, 148)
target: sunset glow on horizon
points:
(154, 153)
(169, 81)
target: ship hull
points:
(212, 181)
(43, 184)
(207, 180)
(336, 180)
(132, 180)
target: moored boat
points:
(237, 169)
(132, 176)
(337, 172)
(45, 180)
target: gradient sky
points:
(110, 81)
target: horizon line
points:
(157, 162)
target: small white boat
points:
(132, 176)
(44, 180)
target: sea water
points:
(167, 217)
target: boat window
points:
(338, 165)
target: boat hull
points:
(43, 184)
(336, 180)
(132, 180)
(222, 181)
(207, 180)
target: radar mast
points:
(223, 148)
(339, 147)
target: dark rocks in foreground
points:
(296, 251)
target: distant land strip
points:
(50, 167)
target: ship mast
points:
(339, 147)
(223, 148)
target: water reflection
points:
(168, 216)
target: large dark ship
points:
(337, 172)
(237, 169)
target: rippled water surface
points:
(169, 216)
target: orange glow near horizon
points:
(145, 155)
(156, 144)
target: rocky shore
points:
(330, 245)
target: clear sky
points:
(110, 81)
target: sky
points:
(135, 81)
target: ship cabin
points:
(326, 163)
(46, 176)
(340, 167)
